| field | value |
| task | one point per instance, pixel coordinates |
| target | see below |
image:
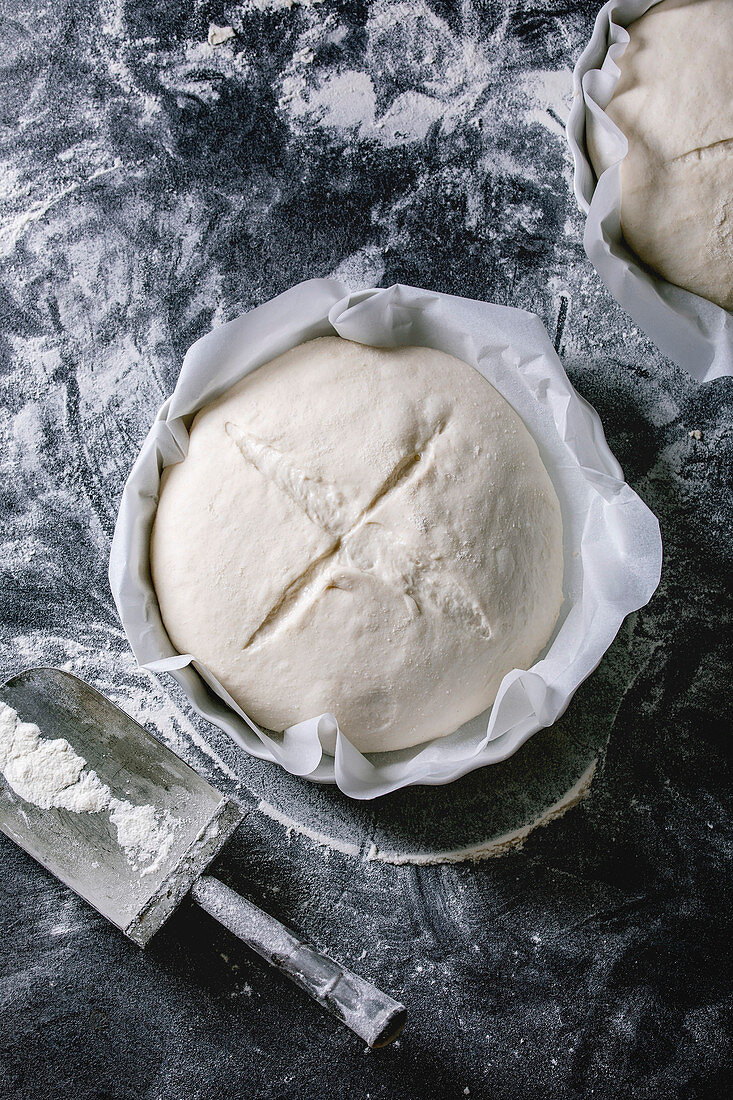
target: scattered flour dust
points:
(485, 849)
(144, 832)
(277, 5)
(50, 775)
(218, 35)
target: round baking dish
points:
(693, 332)
(612, 547)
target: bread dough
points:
(674, 104)
(360, 530)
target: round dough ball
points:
(674, 104)
(360, 530)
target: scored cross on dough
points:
(324, 504)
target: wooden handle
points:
(374, 1016)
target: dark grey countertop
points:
(154, 186)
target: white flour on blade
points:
(50, 775)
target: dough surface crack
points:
(323, 503)
(376, 552)
(724, 147)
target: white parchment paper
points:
(693, 332)
(612, 546)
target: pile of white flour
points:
(50, 775)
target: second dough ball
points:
(674, 104)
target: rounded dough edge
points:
(356, 644)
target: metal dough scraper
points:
(91, 855)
